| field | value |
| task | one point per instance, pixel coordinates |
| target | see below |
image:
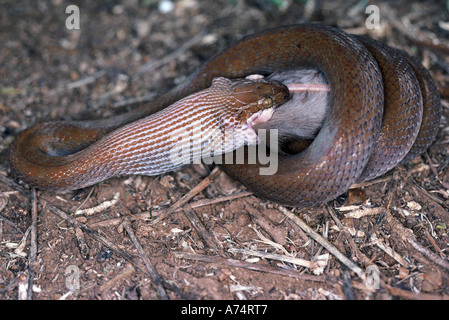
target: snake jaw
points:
(244, 128)
(247, 129)
(261, 116)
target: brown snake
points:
(384, 109)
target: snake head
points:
(256, 95)
(256, 100)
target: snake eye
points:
(267, 103)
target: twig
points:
(326, 244)
(346, 233)
(85, 200)
(209, 239)
(371, 182)
(81, 243)
(134, 101)
(420, 189)
(407, 235)
(434, 245)
(277, 233)
(12, 224)
(126, 273)
(361, 212)
(434, 171)
(55, 210)
(429, 254)
(10, 183)
(33, 246)
(3, 203)
(299, 231)
(317, 266)
(246, 265)
(120, 252)
(189, 195)
(76, 84)
(207, 202)
(147, 215)
(388, 250)
(100, 207)
(356, 251)
(334, 217)
(150, 268)
(414, 295)
(309, 87)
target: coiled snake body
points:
(384, 109)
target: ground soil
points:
(136, 49)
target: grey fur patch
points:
(303, 115)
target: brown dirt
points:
(42, 63)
